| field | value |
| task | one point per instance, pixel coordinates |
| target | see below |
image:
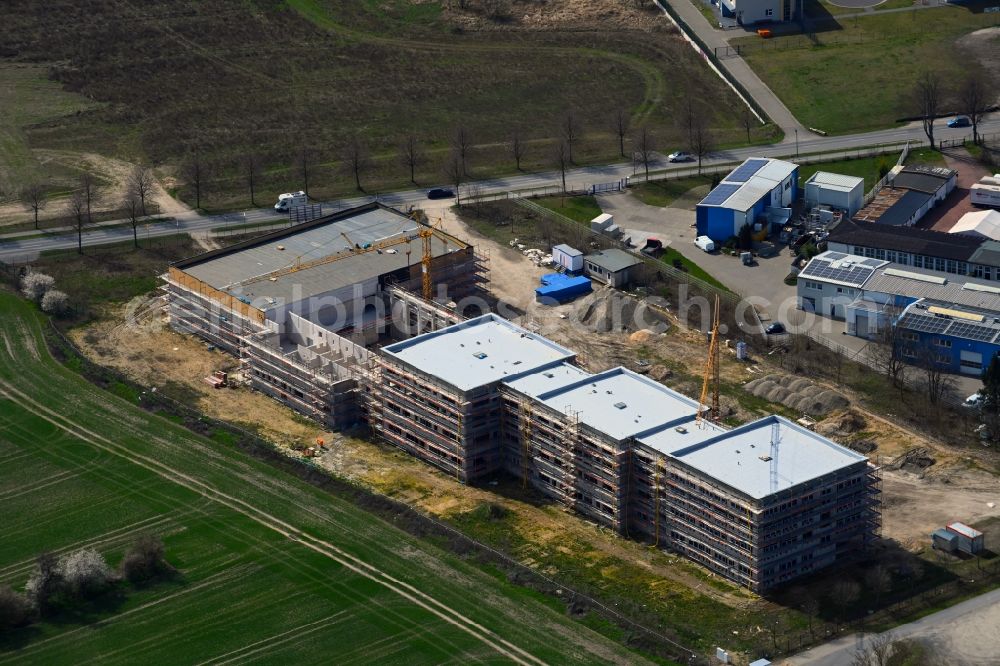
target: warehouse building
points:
(301, 306)
(958, 254)
(761, 504)
(952, 322)
(745, 196)
(912, 192)
(846, 193)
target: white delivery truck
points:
(290, 200)
(705, 243)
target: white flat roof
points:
(679, 435)
(478, 352)
(620, 403)
(548, 379)
(836, 181)
(735, 457)
(775, 171)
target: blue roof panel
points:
(742, 173)
(719, 195)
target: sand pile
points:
(797, 393)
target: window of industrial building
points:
(943, 359)
(943, 342)
(909, 336)
(768, 12)
(814, 285)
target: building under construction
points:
(331, 317)
(760, 504)
(302, 306)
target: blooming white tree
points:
(55, 302)
(85, 571)
(34, 286)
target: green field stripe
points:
(146, 452)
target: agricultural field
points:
(270, 568)
(218, 82)
(828, 78)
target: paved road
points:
(17, 247)
(963, 635)
(739, 69)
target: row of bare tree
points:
(89, 193)
(972, 97)
(356, 161)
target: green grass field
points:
(271, 569)
(665, 192)
(581, 209)
(28, 98)
(860, 76)
(225, 78)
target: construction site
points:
(337, 318)
(300, 307)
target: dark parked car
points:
(960, 121)
(777, 328)
(440, 193)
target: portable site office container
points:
(569, 258)
(602, 222)
(944, 540)
(969, 540)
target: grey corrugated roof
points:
(835, 181)
(613, 260)
(242, 269)
(952, 291)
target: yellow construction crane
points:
(425, 262)
(711, 369)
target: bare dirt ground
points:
(114, 172)
(984, 46)
(558, 14)
(135, 340)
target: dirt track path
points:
(269, 521)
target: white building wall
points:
(755, 11)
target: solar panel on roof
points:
(742, 173)
(924, 324)
(719, 195)
(852, 274)
(969, 331)
(834, 256)
(872, 262)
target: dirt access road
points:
(112, 171)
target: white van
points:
(705, 243)
(290, 200)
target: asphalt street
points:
(26, 245)
(963, 635)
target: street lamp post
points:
(796, 142)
